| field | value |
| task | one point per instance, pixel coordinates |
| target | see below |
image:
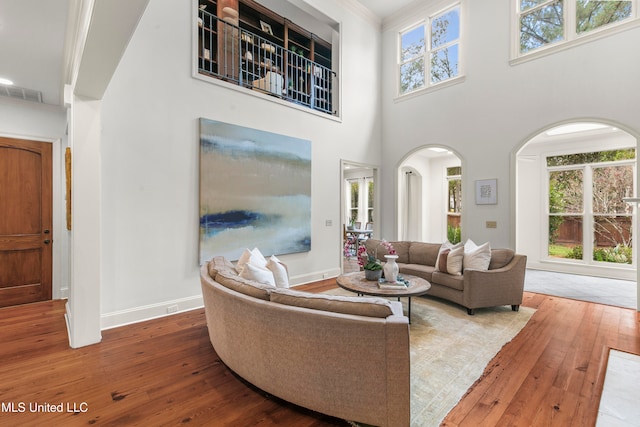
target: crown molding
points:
(359, 9)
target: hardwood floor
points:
(165, 372)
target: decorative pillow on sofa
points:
(370, 307)
(476, 257)
(448, 246)
(279, 271)
(254, 257)
(454, 261)
(259, 274)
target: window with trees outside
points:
(430, 52)
(454, 203)
(544, 23)
(588, 220)
(360, 201)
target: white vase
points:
(391, 268)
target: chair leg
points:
(470, 311)
(515, 307)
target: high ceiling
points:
(32, 42)
(385, 8)
(32, 38)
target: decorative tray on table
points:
(400, 283)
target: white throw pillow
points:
(253, 257)
(446, 245)
(279, 272)
(476, 257)
(260, 275)
(454, 261)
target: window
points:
(430, 52)
(454, 203)
(360, 202)
(543, 23)
(588, 220)
(354, 187)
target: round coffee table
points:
(355, 282)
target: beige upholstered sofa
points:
(343, 356)
(501, 284)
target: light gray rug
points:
(449, 351)
(620, 293)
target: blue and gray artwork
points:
(255, 191)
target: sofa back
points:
(500, 258)
(427, 253)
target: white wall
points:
(150, 149)
(498, 107)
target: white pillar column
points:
(83, 306)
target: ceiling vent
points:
(21, 93)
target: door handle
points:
(46, 242)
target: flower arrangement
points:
(371, 262)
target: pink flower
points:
(364, 257)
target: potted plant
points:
(370, 263)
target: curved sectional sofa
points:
(343, 356)
(501, 283)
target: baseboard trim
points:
(148, 312)
(314, 277)
(167, 308)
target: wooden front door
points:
(25, 221)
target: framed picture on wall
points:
(487, 192)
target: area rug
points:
(619, 400)
(450, 349)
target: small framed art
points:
(487, 192)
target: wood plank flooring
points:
(165, 372)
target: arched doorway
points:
(430, 195)
(570, 216)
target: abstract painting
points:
(255, 191)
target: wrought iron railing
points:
(233, 54)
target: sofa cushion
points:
(500, 258)
(370, 307)
(244, 286)
(476, 257)
(423, 253)
(220, 263)
(420, 270)
(448, 280)
(402, 250)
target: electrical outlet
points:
(492, 224)
(328, 223)
(172, 309)
(325, 275)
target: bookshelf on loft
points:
(243, 42)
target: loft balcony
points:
(244, 58)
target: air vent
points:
(21, 93)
